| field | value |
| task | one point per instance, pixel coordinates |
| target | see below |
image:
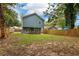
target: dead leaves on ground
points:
(50, 48)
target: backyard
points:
(37, 29)
(39, 45)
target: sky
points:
(39, 8)
(29, 8)
(77, 21)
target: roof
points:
(33, 14)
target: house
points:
(32, 23)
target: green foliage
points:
(70, 14)
(5, 13)
(56, 14)
(48, 24)
(64, 14)
(10, 15)
(61, 22)
(17, 23)
(11, 23)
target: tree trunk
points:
(2, 23)
(70, 15)
(67, 18)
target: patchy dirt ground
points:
(67, 47)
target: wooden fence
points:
(71, 32)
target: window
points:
(39, 22)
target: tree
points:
(11, 23)
(2, 22)
(50, 12)
(16, 23)
(4, 11)
(70, 14)
(65, 14)
(56, 13)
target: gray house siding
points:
(33, 21)
(32, 24)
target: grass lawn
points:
(29, 38)
(39, 45)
